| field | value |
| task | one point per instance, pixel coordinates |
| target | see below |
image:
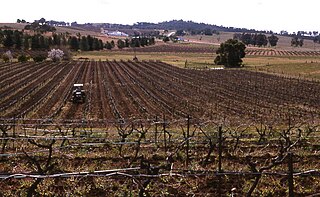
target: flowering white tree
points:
(56, 54)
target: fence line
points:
(182, 173)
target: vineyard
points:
(272, 52)
(207, 48)
(120, 90)
(148, 128)
(157, 157)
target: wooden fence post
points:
(14, 126)
(220, 160)
(187, 141)
(164, 133)
(220, 149)
(156, 132)
(290, 175)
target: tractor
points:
(78, 93)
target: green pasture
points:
(304, 67)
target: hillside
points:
(223, 34)
(60, 29)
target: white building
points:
(114, 33)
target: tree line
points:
(14, 39)
(257, 39)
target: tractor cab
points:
(78, 93)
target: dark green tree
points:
(152, 41)
(84, 45)
(64, 41)
(90, 40)
(180, 32)
(42, 21)
(17, 37)
(246, 38)
(108, 45)
(56, 39)
(127, 42)
(230, 53)
(273, 40)
(74, 43)
(8, 41)
(112, 44)
(35, 42)
(1, 36)
(95, 44)
(261, 40)
(101, 44)
(26, 44)
(207, 32)
(296, 41)
(50, 41)
(166, 39)
(44, 42)
(120, 44)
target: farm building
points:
(114, 33)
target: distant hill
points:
(189, 26)
(169, 25)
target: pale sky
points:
(275, 15)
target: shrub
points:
(23, 58)
(39, 58)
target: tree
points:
(8, 38)
(84, 45)
(246, 38)
(95, 44)
(166, 39)
(42, 21)
(109, 45)
(112, 43)
(35, 42)
(90, 40)
(74, 43)
(230, 53)
(273, 40)
(120, 44)
(180, 32)
(261, 40)
(56, 39)
(207, 32)
(26, 44)
(295, 41)
(135, 42)
(127, 42)
(17, 37)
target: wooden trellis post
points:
(290, 175)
